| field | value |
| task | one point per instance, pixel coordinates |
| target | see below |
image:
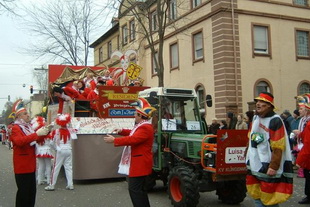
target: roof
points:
(105, 36)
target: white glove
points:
(42, 131)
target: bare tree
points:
(7, 6)
(41, 76)
(152, 16)
(63, 29)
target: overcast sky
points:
(16, 69)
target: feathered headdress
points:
(17, 108)
(304, 100)
(144, 108)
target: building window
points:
(100, 55)
(262, 86)
(304, 88)
(301, 2)
(196, 3)
(302, 43)
(154, 59)
(173, 9)
(154, 21)
(132, 30)
(125, 34)
(109, 49)
(198, 46)
(174, 56)
(261, 40)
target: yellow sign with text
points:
(133, 71)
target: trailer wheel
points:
(231, 192)
(183, 187)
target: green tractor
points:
(186, 158)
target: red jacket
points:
(24, 157)
(74, 94)
(141, 143)
(93, 97)
(303, 157)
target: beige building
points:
(229, 49)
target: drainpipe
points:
(234, 51)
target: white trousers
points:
(63, 157)
(44, 169)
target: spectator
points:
(241, 123)
(214, 126)
(231, 120)
(287, 117)
(296, 120)
(249, 118)
(223, 124)
(295, 142)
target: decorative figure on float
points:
(125, 61)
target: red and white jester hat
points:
(144, 107)
(63, 119)
(17, 108)
(304, 100)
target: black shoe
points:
(305, 200)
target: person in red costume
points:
(303, 133)
(43, 152)
(90, 81)
(24, 157)
(82, 89)
(93, 95)
(137, 157)
(65, 94)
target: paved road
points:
(105, 193)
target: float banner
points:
(231, 146)
(95, 125)
(114, 101)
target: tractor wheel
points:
(231, 192)
(183, 187)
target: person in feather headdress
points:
(303, 135)
(43, 152)
(137, 157)
(24, 158)
(62, 141)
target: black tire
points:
(231, 192)
(183, 187)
